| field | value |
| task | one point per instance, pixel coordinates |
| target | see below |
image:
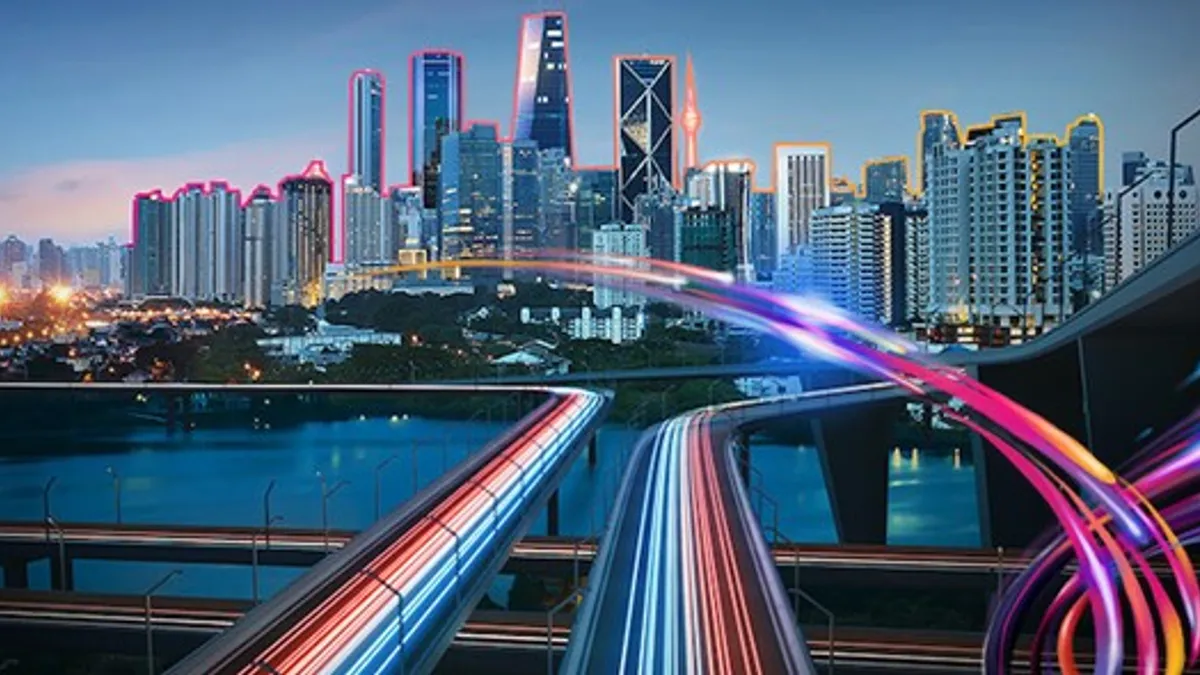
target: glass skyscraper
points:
(366, 128)
(594, 194)
(938, 128)
(645, 127)
(471, 193)
(543, 112)
(885, 180)
(1086, 141)
(524, 196)
(306, 202)
(436, 109)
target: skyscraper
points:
(850, 252)
(659, 213)
(732, 183)
(938, 128)
(435, 109)
(151, 252)
(207, 257)
(802, 173)
(1136, 236)
(366, 128)
(306, 203)
(885, 179)
(690, 121)
(999, 229)
(522, 195)
(557, 229)
(594, 193)
(368, 230)
(1085, 137)
(471, 193)
(543, 102)
(645, 126)
(708, 238)
(52, 263)
(258, 225)
(762, 227)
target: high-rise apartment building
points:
(1000, 236)
(617, 239)
(645, 127)
(306, 218)
(369, 235)
(152, 250)
(208, 241)
(885, 180)
(939, 128)
(802, 174)
(1085, 138)
(543, 105)
(435, 109)
(471, 193)
(850, 250)
(1137, 235)
(901, 268)
(366, 128)
(916, 263)
(258, 227)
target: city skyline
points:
(74, 185)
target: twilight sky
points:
(109, 98)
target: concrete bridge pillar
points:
(552, 514)
(853, 445)
(16, 573)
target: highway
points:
(684, 582)
(503, 642)
(232, 545)
(431, 560)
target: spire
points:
(690, 120)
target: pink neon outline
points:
(337, 253)
(314, 169)
(412, 101)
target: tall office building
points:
(851, 259)
(802, 173)
(306, 217)
(690, 120)
(543, 105)
(366, 128)
(708, 238)
(885, 180)
(594, 201)
(369, 239)
(1137, 235)
(659, 213)
(617, 239)
(762, 227)
(645, 126)
(435, 109)
(732, 182)
(258, 227)
(842, 190)
(152, 249)
(207, 258)
(902, 220)
(1085, 137)
(938, 128)
(556, 227)
(522, 195)
(471, 193)
(1000, 234)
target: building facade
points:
(471, 194)
(435, 109)
(366, 128)
(850, 249)
(258, 225)
(708, 238)
(802, 174)
(617, 239)
(645, 127)
(1085, 138)
(543, 108)
(885, 180)
(1137, 235)
(306, 221)
(594, 202)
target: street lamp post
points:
(326, 493)
(267, 513)
(149, 626)
(62, 552)
(457, 558)
(254, 556)
(46, 514)
(1171, 175)
(116, 483)
(399, 613)
(378, 471)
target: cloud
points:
(84, 200)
